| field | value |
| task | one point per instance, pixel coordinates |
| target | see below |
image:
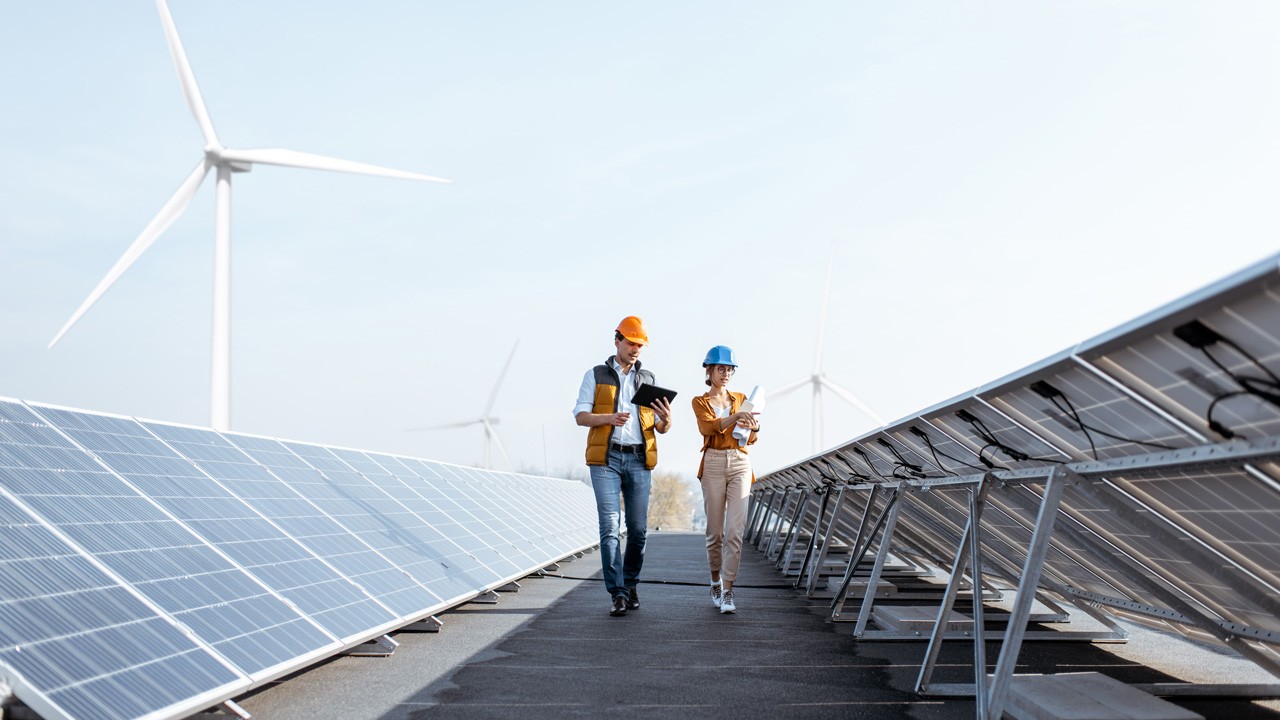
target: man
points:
(621, 451)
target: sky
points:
(993, 181)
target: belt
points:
(637, 449)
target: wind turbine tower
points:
(819, 379)
(226, 161)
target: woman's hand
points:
(746, 420)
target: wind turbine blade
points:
(293, 158)
(853, 400)
(493, 396)
(822, 313)
(190, 90)
(492, 433)
(447, 426)
(788, 388)
(171, 210)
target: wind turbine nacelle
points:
(216, 155)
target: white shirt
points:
(628, 434)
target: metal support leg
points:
(886, 539)
(763, 505)
(781, 519)
(860, 547)
(1045, 520)
(977, 497)
(430, 624)
(812, 546)
(773, 519)
(820, 561)
(958, 568)
(381, 646)
(787, 550)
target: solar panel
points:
(257, 542)
(404, 537)
(465, 552)
(461, 498)
(74, 641)
(333, 530)
(1159, 514)
(153, 570)
(152, 550)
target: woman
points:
(725, 472)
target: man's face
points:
(628, 352)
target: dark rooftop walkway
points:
(552, 651)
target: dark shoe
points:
(633, 599)
(619, 605)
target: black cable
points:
(935, 452)
(990, 438)
(1052, 394)
(852, 470)
(1252, 385)
(1202, 337)
(1071, 410)
(867, 459)
(911, 470)
(1226, 432)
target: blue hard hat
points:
(720, 355)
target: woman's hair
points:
(707, 369)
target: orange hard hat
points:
(632, 328)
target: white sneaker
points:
(715, 594)
(726, 603)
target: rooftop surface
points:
(552, 651)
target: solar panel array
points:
(154, 570)
(1135, 472)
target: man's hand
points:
(618, 419)
(662, 408)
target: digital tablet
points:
(646, 394)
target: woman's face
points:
(720, 374)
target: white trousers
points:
(726, 487)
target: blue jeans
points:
(621, 483)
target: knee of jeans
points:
(609, 524)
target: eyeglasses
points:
(726, 369)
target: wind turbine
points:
(818, 379)
(226, 161)
(487, 420)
